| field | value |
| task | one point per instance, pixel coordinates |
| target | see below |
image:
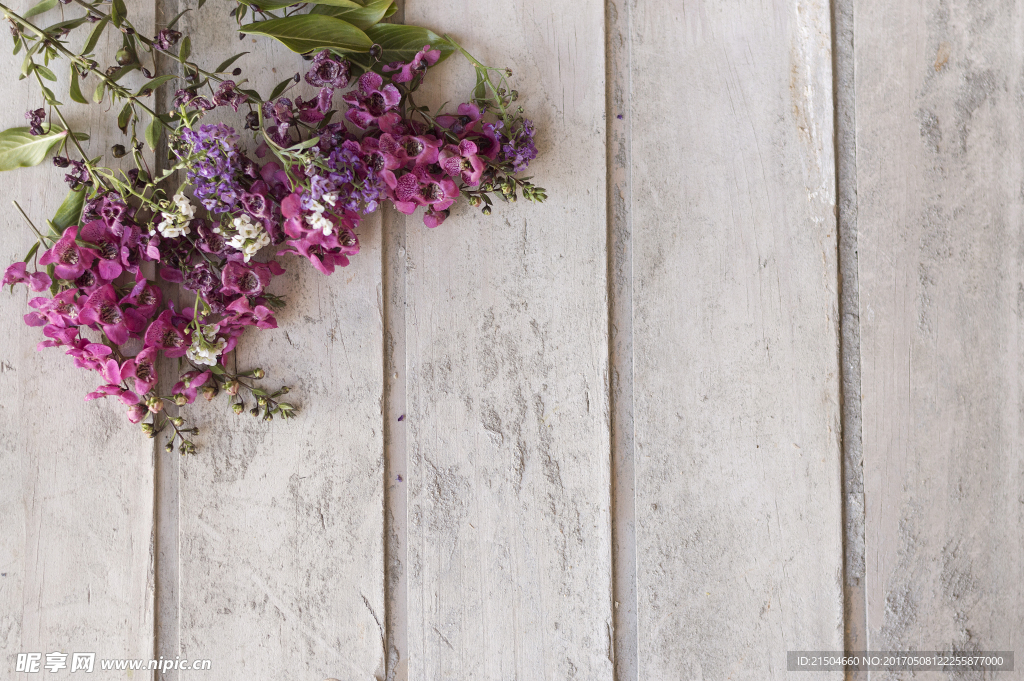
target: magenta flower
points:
(371, 101)
(108, 248)
(137, 412)
(434, 218)
(61, 310)
(241, 279)
(406, 72)
(69, 260)
(228, 95)
(463, 161)
(17, 274)
(143, 369)
(113, 374)
(190, 384)
(102, 310)
(163, 334)
(245, 314)
(144, 297)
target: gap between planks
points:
(624, 641)
(854, 591)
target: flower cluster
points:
(304, 191)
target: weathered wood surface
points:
(939, 179)
(76, 489)
(281, 524)
(735, 338)
(509, 571)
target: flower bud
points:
(209, 392)
(169, 447)
(238, 407)
(231, 388)
(178, 421)
(118, 150)
(155, 405)
(255, 411)
(486, 210)
(376, 52)
(147, 428)
(262, 401)
(259, 373)
(236, 72)
(180, 400)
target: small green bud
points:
(231, 388)
(259, 373)
(147, 428)
(169, 447)
(255, 411)
(209, 392)
(178, 421)
(180, 400)
(238, 407)
(486, 210)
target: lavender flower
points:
(35, 120)
(518, 147)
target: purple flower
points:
(328, 72)
(216, 165)
(314, 110)
(518, 147)
(228, 95)
(68, 259)
(166, 39)
(406, 72)
(79, 174)
(35, 120)
(371, 101)
(18, 274)
(190, 98)
(143, 369)
(60, 311)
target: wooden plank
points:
(939, 178)
(738, 505)
(506, 354)
(76, 494)
(281, 524)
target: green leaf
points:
(32, 251)
(279, 88)
(125, 117)
(40, 7)
(118, 12)
(308, 32)
(45, 72)
(401, 43)
(50, 97)
(153, 134)
(70, 211)
(97, 94)
(271, 5)
(156, 82)
(186, 49)
(177, 16)
(228, 62)
(358, 15)
(20, 149)
(75, 89)
(94, 36)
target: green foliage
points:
(70, 211)
(21, 149)
(305, 33)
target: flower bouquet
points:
(220, 212)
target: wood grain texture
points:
(509, 572)
(282, 523)
(939, 150)
(76, 489)
(735, 338)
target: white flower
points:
(330, 198)
(170, 228)
(184, 207)
(318, 221)
(206, 347)
(250, 236)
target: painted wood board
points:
(281, 524)
(939, 178)
(76, 494)
(735, 318)
(506, 338)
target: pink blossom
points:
(17, 274)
